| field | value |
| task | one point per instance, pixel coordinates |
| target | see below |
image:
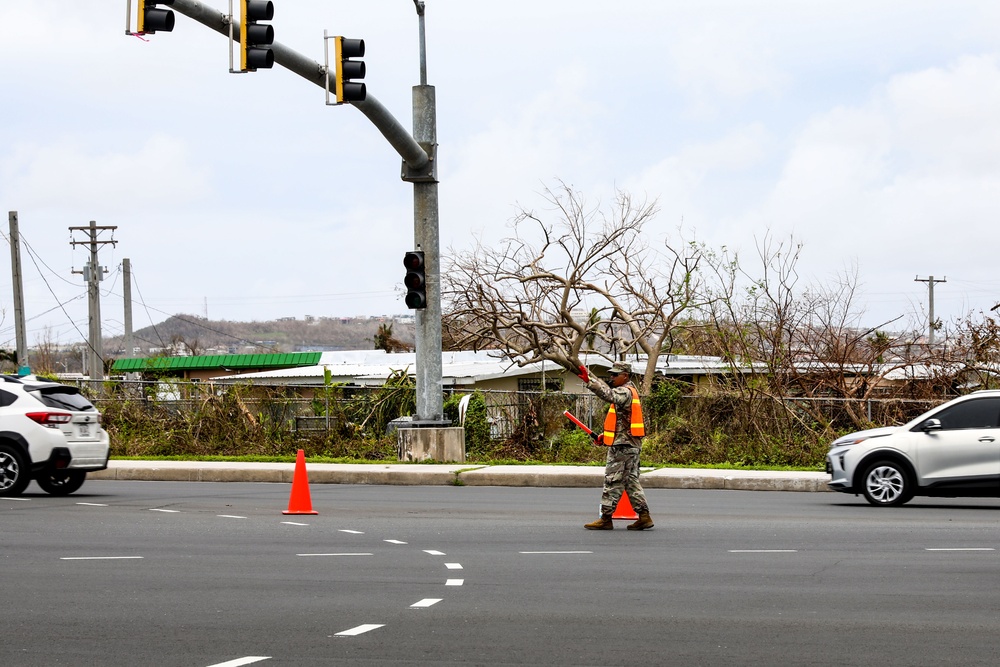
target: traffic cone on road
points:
(300, 502)
(624, 509)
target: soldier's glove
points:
(599, 439)
(584, 375)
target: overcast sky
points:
(869, 130)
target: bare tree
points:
(579, 279)
(790, 339)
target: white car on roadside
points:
(952, 451)
(49, 432)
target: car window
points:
(979, 413)
(66, 398)
(7, 398)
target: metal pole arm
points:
(413, 155)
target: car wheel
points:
(61, 482)
(887, 484)
(14, 474)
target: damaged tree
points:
(578, 280)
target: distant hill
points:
(191, 334)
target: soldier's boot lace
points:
(604, 523)
(644, 522)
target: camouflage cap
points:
(621, 367)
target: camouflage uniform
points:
(621, 472)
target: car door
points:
(965, 452)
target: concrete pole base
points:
(446, 445)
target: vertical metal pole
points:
(127, 289)
(94, 299)
(430, 401)
(15, 268)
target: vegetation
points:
(800, 367)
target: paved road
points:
(199, 574)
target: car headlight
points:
(849, 440)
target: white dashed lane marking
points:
(102, 558)
(361, 629)
(394, 541)
(337, 554)
(239, 662)
(433, 553)
(555, 552)
(230, 516)
(453, 566)
(352, 532)
(426, 602)
(165, 511)
(294, 523)
(454, 582)
(94, 504)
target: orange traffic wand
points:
(569, 415)
(300, 501)
(624, 509)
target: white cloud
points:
(907, 183)
(716, 61)
(71, 176)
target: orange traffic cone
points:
(300, 502)
(624, 509)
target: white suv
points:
(950, 451)
(49, 432)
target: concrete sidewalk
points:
(459, 474)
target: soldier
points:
(623, 432)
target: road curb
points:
(459, 474)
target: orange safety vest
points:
(638, 428)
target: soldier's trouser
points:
(621, 473)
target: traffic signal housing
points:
(415, 280)
(347, 69)
(256, 38)
(152, 19)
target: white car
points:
(49, 432)
(950, 451)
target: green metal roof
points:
(217, 361)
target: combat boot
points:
(644, 522)
(604, 523)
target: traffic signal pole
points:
(419, 167)
(413, 155)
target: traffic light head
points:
(152, 19)
(348, 90)
(256, 38)
(415, 280)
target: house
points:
(487, 370)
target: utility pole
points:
(92, 275)
(15, 268)
(127, 289)
(930, 303)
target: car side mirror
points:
(931, 425)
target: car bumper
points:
(839, 479)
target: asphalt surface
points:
(209, 574)
(409, 474)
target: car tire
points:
(14, 473)
(887, 484)
(61, 482)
